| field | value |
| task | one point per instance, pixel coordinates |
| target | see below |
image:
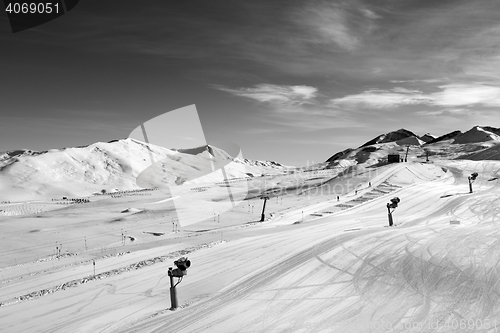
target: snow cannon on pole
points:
(182, 265)
(472, 178)
(263, 215)
(392, 205)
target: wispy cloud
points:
(451, 95)
(310, 37)
(285, 98)
(340, 24)
(444, 112)
(378, 98)
(370, 14)
(419, 81)
(330, 25)
(298, 107)
(467, 95)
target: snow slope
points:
(75, 172)
(492, 153)
(411, 140)
(317, 265)
(345, 272)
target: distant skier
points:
(338, 198)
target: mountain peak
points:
(390, 137)
(478, 134)
(427, 137)
(80, 171)
(447, 136)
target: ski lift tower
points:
(263, 215)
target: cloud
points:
(451, 95)
(274, 94)
(294, 108)
(331, 27)
(418, 81)
(370, 14)
(340, 24)
(467, 94)
(378, 98)
(454, 112)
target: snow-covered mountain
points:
(26, 174)
(427, 137)
(477, 134)
(480, 142)
(411, 140)
(446, 136)
(390, 137)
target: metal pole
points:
(263, 216)
(173, 292)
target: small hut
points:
(393, 158)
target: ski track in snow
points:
(311, 277)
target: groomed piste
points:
(323, 260)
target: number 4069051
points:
(40, 8)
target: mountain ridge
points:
(461, 144)
(113, 165)
(390, 137)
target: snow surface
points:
(323, 259)
(412, 140)
(318, 265)
(78, 172)
(492, 153)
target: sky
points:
(286, 80)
